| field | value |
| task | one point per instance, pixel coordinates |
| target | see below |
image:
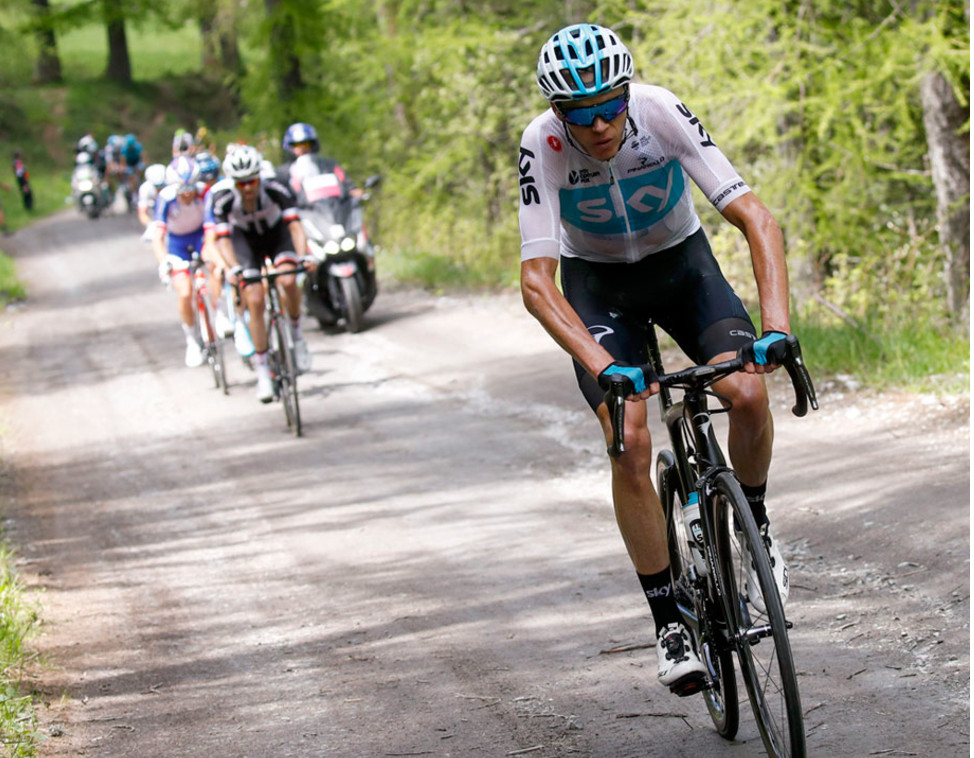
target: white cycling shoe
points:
(778, 568)
(242, 340)
(680, 668)
(302, 356)
(194, 354)
(265, 385)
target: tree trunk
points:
(284, 59)
(950, 164)
(221, 54)
(48, 67)
(119, 67)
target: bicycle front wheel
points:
(759, 639)
(696, 606)
(212, 344)
(287, 375)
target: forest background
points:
(849, 119)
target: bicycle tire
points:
(287, 376)
(697, 607)
(212, 344)
(760, 640)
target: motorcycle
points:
(89, 190)
(344, 285)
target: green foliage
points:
(17, 621)
(11, 288)
(818, 106)
(921, 356)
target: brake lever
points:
(615, 401)
(801, 380)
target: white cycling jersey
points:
(634, 204)
(148, 192)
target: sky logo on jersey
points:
(529, 192)
(647, 198)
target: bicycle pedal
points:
(690, 685)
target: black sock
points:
(755, 496)
(659, 592)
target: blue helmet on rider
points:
(183, 171)
(300, 132)
(209, 166)
(583, 60)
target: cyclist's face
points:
(186, 196)
(602, 139)
(248, 188)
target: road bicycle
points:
(708, 564)
(280, 345)
(205, 317)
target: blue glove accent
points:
(632, 373)
(762, 346)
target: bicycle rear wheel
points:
(287, 375)
(212, 344)
(696, 607)
(759, 639)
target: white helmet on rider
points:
(583, 60)
(183, 171)
(156, 174)
(243, 162)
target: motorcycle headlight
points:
(86, 186)
(331, 247)
(348, 244)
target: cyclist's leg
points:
(639, 513)
(291, 297)
(252, 295)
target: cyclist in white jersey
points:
(605, 175)
(155, 180)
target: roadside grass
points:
(18, 723)
(911, 355)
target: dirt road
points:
(434, 569)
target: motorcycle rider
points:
(299, 140)
(256, 219)
(179, 213)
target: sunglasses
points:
(185, 189)
(606, 111)
(248, 182)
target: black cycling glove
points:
(635, 378)
(770, 349)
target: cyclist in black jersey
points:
(605, 175)
(256, 221)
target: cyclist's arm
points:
(298, 237)
(546, 303)
(158, 245)
(766, 243)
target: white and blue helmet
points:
(583, 60)
(183, 171)
(300, 132)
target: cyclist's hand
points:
(165, 272)
(637, 383)
(764, 355)
(234, 274)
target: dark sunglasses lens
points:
(606, 111)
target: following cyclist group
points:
(238, 215)
(606, 172)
